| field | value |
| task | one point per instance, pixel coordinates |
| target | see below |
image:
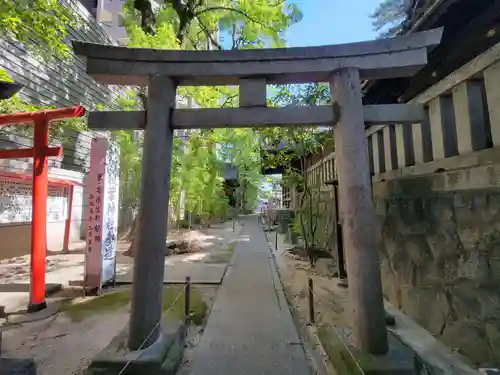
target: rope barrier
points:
(346, 346)
(156, 326)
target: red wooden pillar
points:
(40, 152)
(39, 212)
(67, 228)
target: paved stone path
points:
(250, 330)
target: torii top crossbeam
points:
(385, 58)
(252, 70)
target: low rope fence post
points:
(187, 299)
(312, 320)
(183, 291)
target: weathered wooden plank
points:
(492, 88)
(391, 113)
(470, 117)
(463, 73)
(375, 153)
(192, 73)
(400, 146)
(426, 39)
(256, 116)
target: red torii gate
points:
(39, 152)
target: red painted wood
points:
(67, 228)
(28, 153)
(29, 177)
(40, 153)
(50, 114)
(39, 215)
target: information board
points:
(102, 214)
(16, 201)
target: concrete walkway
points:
(250, 330)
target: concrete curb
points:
(437, 357)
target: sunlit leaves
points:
(240, 24)
(390, 17)
(198, 162)
(41, 25)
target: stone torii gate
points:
(343, 66)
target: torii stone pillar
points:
(358, 214)
(149, 260)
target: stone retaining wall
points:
(440, 255)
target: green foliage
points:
(389, 19)
(16, 104)
(241, 148)
(199, 161)
(249, 23)
(130, 145)
(41, 25)
(290, 148)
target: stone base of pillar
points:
(399, 360)
(162, 357)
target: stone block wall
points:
(440, 255)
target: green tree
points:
(241, 148)
(41, 25)
(390, 17)
(198, 166)
(16, 104)
(249, 22)
(290, 148)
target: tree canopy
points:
(248, 23)
(199, 162)
(390, 17)
(41, 25)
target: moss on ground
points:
(173, 304)
(107, 302)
